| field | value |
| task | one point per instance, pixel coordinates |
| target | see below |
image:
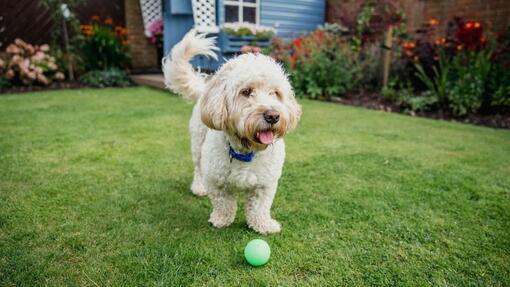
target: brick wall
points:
(493, 14)
(143, 53)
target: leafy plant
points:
(322, 65)
(106, 78)
(437, 82)
(104, 46)
(404, 95)
(468, 83)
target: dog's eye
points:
(278, 94)
(246, 92)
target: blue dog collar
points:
(247, 157)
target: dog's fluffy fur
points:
(230, 108)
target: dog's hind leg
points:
(197, 132)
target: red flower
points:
(298, 43)
(319, 35)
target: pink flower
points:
(52, 66)
(25, 63)
(256, 50)
(60, 76)
(42, 79)
(15, 60)
(20, 42)
(10, 74)
(32, 75)
(38, 70)
(13, 49)
(39, 56)
(30, 48)
(44, 48)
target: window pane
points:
(249, 14)
(231, 13)
(250, 1)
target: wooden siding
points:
(292, 18)
(176, 23)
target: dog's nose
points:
(271, 116)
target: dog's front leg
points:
(224, 207)
(258, 210)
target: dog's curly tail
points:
(179, 74)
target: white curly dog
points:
(243, 112)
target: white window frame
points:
(240, 4)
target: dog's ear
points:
(213, 104)
(294, 110)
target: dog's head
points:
(251, 98)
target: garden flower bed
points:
(461, 75)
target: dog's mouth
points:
(265, 137)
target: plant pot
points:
(232, 44)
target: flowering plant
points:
(30, 64)
(156, 31)
(105, 44)
(250, 49)
(242, 29)
(321, 64)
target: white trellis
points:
(151, 11)
(204, 16)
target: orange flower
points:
(433, 22)
(108, 21)
(86, 29)
(95, 18)
(477, 25)
(121, 31)
(459, 47)
(409, 45)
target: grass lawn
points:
(94, 191)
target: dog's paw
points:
(198, 189)
(220, 220)
(266, 226)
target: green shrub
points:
(404, 96)
(468, 81)
(322, 66)
(106, 78)
(459, 83)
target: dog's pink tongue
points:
(266, 137)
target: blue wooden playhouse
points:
(290, 18)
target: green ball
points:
(257, 252)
